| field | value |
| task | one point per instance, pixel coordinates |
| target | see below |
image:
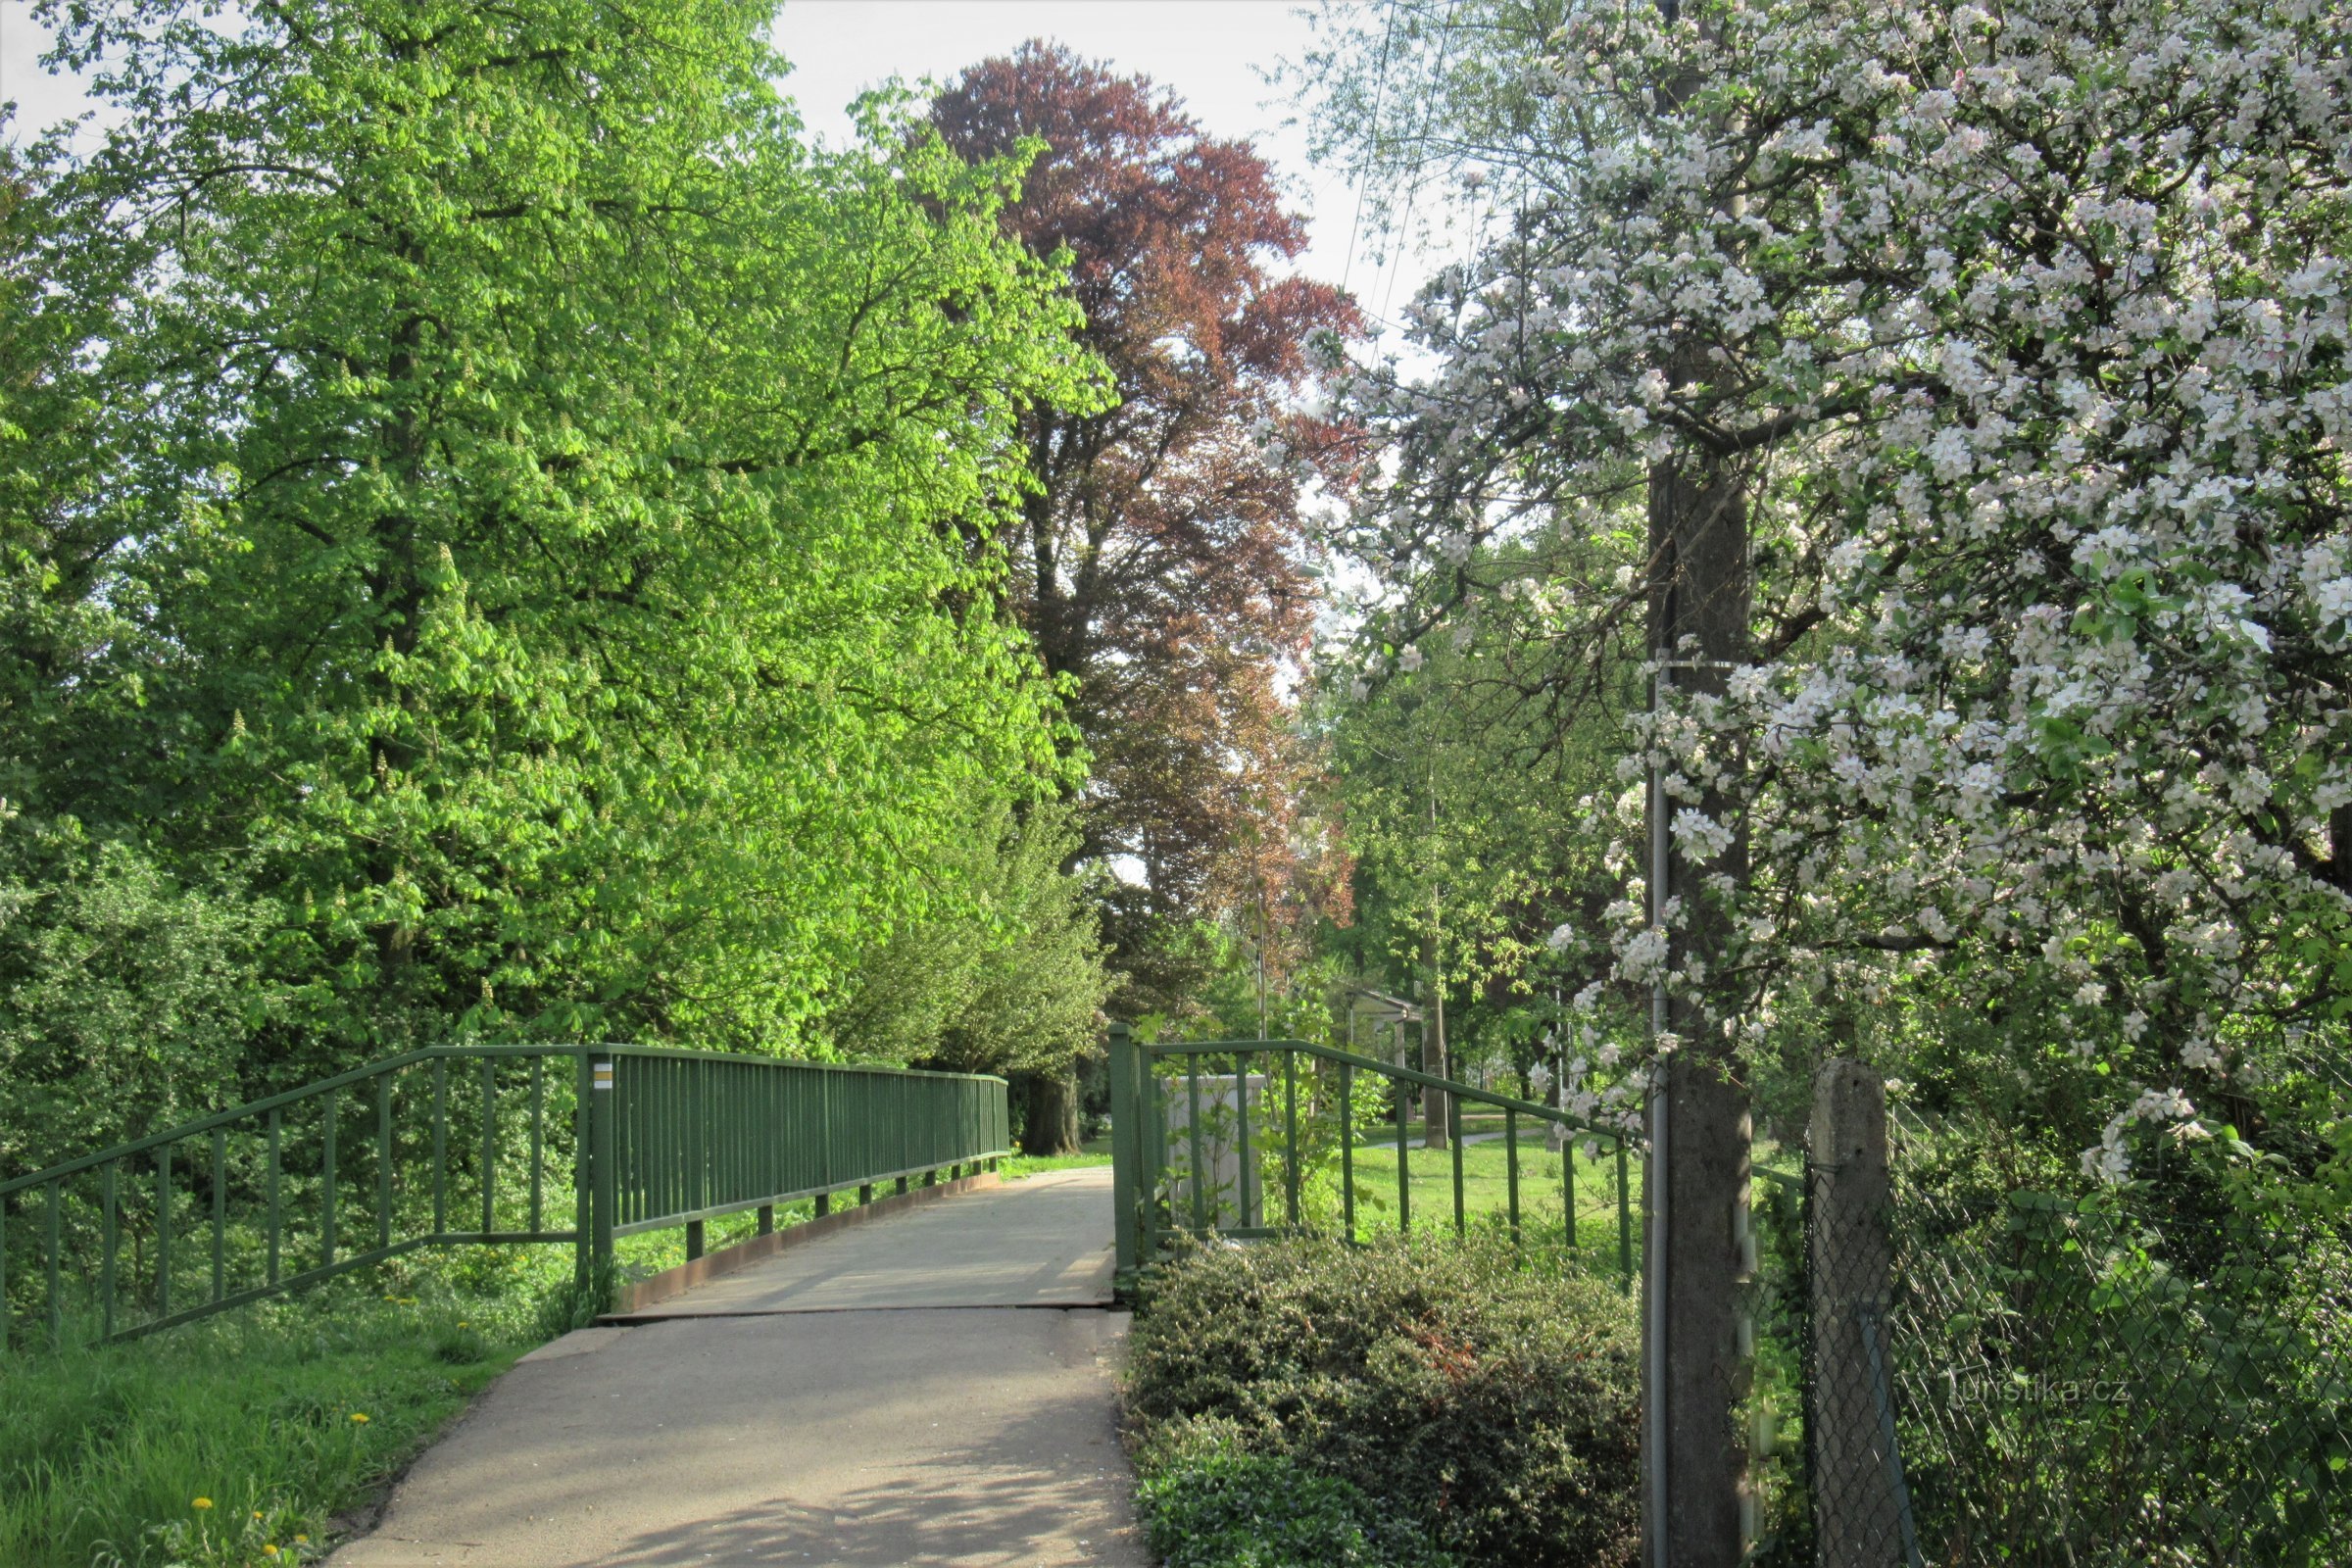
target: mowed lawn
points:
(1486, 1191)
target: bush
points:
(1262, 1510)
(1495, 1405)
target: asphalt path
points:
(929, 1387)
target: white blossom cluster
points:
(2026, 334)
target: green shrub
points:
(1497, 1404)
(1262, 1510)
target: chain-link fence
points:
(2154, 1375)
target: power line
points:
(1380, 88)
(1413, 192)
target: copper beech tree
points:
(1160, 564)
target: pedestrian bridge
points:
(931, 1386)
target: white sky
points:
(1210, 52)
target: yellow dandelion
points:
(201, 1503)
(269, 1549)
(302, 1541)
(463, 1323)
(357, 1418)
(257, 1513)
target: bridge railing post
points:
(1126, 1153)
(603, 1178)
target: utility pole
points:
(1695, 1200)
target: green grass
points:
(1094, 1151)
(281, 1417)
(1472, 1122)
(1486, 1191)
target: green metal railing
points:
(462, 1144)
(1231, 1137)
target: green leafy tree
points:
(1006, 976)
(545, 500)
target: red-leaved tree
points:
(1161, 562)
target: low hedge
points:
(1238, 1509)
(1489, 1406)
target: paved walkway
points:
(931, 1388)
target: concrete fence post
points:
(1861, 1515)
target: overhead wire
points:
(1401, 232)
(1380, 88)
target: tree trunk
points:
(1049, 1113)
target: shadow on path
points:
(909, 1436)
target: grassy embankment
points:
(252, 1437)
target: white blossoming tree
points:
(2019, 339)
(1476, 783)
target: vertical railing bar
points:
(489, 1145)
(1568, 1183)
(57, 1304)
(440, 1146)
(1404, 1180)
(628, 1113)
(1625, 1220)
(1453, 1129)
(538, 1142)
(383, 1158)
(1154, 1160)
(649, 1171)
(1289, 1158)
(1347, 1150)
(275, 1165)
(162, 1231)
(112, 1239)
(606, 1197)
(220, 1213)
(1240, 1085)
(1199, 1176)
(1510, 1167)
(632, 1144)
(662, 1104)
(327, 1187)
(583, 1156)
